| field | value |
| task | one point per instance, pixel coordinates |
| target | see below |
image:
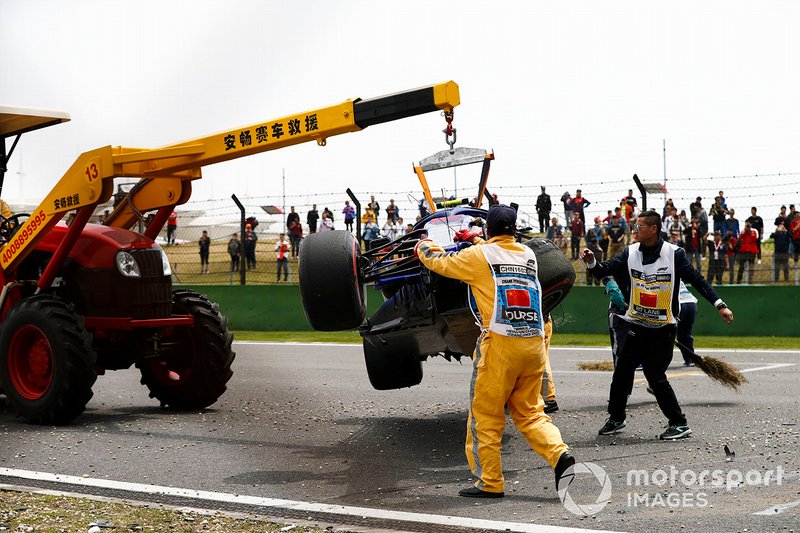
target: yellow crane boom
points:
(166, 173)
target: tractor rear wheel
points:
(330, 286)
(46, 360)
(194, 365)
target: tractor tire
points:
(330, 286)
(46, 360)
(194, 367)
(556, 274)
(388, 370)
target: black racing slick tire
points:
(194, 363)
(556, 274)
(387, 370)
(330, 286)
(46, 360)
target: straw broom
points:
(717, 369)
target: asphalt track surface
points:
(301, 434)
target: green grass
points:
(559, 339)
(20, 511)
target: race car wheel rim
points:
(30, 362)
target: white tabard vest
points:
(651, 288)
(518, 296)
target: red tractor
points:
(78, 299)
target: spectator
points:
(566, 199)
(794, 229)
(577, 229)
(731, 246)
(616, 235)
(676, 239)
(172, 227)
(282, 257)
(717, 257)
(375, 207)
(605, 240)
(205, 246)
(717, 214)
(249, 243)
(326, 224)
(666, 222)
(683, 222)
(578, 205)
(747, 252)
(757, 223)
(630, 200)
(292, 217)
(732, 223)
(234, 248)
(694, 207)
(543, 208)
(782, 218)
(330, 214)
(312, 218)
(702, 223)
(349, 213)
(608, 216)
(371, 232)
(668, 207)
(782, 240)
(721, 197)
(296, 235)
(693, 244)
(628, 215)
(555, 233)
(390, 230)
(593, 236)
(392, 212)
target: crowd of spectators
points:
(715, 241)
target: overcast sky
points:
(566, 93)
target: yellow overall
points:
(548, 386)
(507, 371)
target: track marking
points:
(778, 509)
(361, 512)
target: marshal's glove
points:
(615, 295)
(467, 235)
(416, 247)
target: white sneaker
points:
(759, 261)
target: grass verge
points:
(22, 511)
(559, 339)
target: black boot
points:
(564, 462)
(475, 492)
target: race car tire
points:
(387, 370)
(330, 285)
(555, 272)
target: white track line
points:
(778, 509)
(311, 507)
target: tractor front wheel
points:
(46, 360)
(194, 364)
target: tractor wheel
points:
(332, 294)
(388, 370)
(46, 360)
(555, 272)
(194, 364)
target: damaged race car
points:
(423, 314)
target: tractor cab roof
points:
(17, 120)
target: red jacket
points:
(748, 241)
